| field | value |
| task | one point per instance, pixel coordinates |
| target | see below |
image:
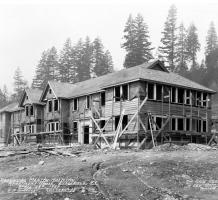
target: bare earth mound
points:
(166, 172)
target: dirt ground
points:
(165, 173)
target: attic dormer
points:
(156, 65)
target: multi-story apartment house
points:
(142, 102)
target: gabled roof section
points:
(11, 108)
(155, 65)
(33, 96)
(60, 89)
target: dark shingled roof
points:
(11, 108)
(141, 72)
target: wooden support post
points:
(118, 129)
(151, 127)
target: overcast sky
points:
(30, 27)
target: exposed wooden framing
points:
(144, 128)
(100, 131)
(136, 113)
(160, 130)
(151, 127)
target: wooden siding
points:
(115, 108)
(159, 108)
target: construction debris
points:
(188, 147)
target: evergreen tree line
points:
(19, 85)
(178, 48)
(74, 63)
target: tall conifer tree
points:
(19, 83)
(192, 45)
(211, 39)
(137, 44)
(46, 69)
(67, 69)
(181, 67)
(84, 59)
(169, 39)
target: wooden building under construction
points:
(139, 106)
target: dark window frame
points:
(56, 105)
(188, 97)
(117, 93)
(31, 110)
(125, 92)
(50, 105)
(103, 99)
(180, 95)
(150, 91)
(159, 94)
(27, 110)
(87, 102)
(173, 95)
(75, 104)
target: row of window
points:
(176, 95)
(182, 124)
(53, 126)
(88, 99)
(29, 110)
(53, 105)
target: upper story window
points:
(198, 99)
(56, 105)
(180, 95)
(87, 102)
(125, 92)
(103, 99)
(29, 110)
(50, 106)
(173, 95)
(151, 91)
(188, 97)
(194, 98)
(121, 92)
(204, 99)
(49, 91)
(117, 93)
(166, 93)
(158, 92)
(53, 105)
(75, 104)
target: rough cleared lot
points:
(167, 172)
